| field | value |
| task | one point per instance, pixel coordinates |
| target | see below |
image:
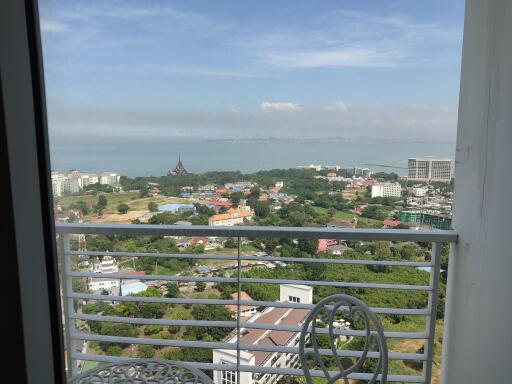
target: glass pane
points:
(240, 117)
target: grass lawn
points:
(347, 216)
(114, 199)
(89, 365)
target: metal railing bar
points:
(235, 325)
(233, 346)
(258, 231)
(274, 304)
(205, 256)
(249, 368)
(340, 284)
(433, 297)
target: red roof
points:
(218, 203)
(391, 223)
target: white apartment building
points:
(429, 169)
(284, 316)
(232, 217)
(419, 192)
(73, 182)
(110, 178)
(105, 266)
(386, 190)
(60, 183)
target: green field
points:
(347, 216)
(114, 199)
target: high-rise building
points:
(429, 169)
(60, 183)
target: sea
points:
(150, 156)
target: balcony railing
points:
(236, 344)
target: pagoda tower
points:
(179, 170)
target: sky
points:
(200, 69)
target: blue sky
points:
(242, 69)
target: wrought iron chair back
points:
(351, 309)
(150, 371)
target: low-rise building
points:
(177, 208)
(419, 192)
(274, 316)
(246, 311)
(107, 265)
(132, 288)
(232, 217)
(386, 190)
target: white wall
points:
(478, 336)
(229, 357)
(303, 292)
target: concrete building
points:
(177, 208)
(132, 288)
(387, 190)
(107, 265)
(246, 311)
(60, 183)
(419, 192)
(430, 218)
(271, 315)
(429, 169)
(110, 178)
(232, 217)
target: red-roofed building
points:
(391, 223)
(272, 316)
(323, 244)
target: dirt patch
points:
(117, 218)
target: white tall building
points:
(60, 183)
(427, 169)
(109, 178)
(284, 316)
(387, 190)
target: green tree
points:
(200, 286)
(209, 312)
(173, 290)
(308, 246)
(152, 206)
(145, 351)
(102, 202)
(79, 285)
(230, 243)
(123, 208)
(114, 350)
(235, 198)
(261, 208)
(82, 206)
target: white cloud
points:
(426, 107)
(367, 57)
(338, 106)
(48, 25)
(268, 106)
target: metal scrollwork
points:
(328, 311)
(143, 371)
